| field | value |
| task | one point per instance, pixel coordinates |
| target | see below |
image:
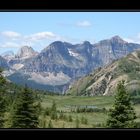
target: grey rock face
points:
(8, 55)
(3, 63)
(26, 52)
(73, 61)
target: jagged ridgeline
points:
(61, 63)
(103, 81)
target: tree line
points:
(20, 108)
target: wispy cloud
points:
(129, 40)
(41, 36)
(11, 39)
(11, 34)
(84, 23)
(10, 45)
(134, 39)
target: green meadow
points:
(65, 105)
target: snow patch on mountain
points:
(17, 66)
(74, 54)
(7, 72)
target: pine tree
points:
(77, 122)
(54, 111)
(50, 124)
(122, 114)
(24, 113)
(2, 111)
(53, 106)
(84, 120)
(70, 118)
(2, 99)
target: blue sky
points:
(39, 29)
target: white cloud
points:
(10, 34)
(129, 40)
(10, 45)
(134, 39)
(84, 23)
(11, 39)
(41, 36)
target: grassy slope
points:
(105, 80)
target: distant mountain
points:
(114, 48)
(103, 81)
(8, 55)
(3, 63)
(61, 63)
(26, 52)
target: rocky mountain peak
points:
(86, 43)
(57, 43)
(3, 63)
(26, 52)
(73, 60)
(8, 55)
(117, 39)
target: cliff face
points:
(104, 80)
(26, 52)
(3, 63)
(61, 63)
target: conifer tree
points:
(77, 122)
(2, 99)
(122, 114)
(24, 113)
(54, 111)
(50, 125)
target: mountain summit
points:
(61, 63)
(26, 52)
(8, 55)
(117, 39)
(103, 81)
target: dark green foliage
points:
(130, 67)
(136, 100)
(84, 120)
(84, 109)
(63, 126)
(77, 122)
(47, 111)
(50, 125)
(137, 124)
(2, 100)
(62, 116)
(70, 118)
(53, 106)
(53, 113)
(24, 112)
(125, 66)
(38, 108)
(122, 114)
(1, 70)
(44, 123)
(2, 111)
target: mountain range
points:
(61, 63)
(103, 81)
